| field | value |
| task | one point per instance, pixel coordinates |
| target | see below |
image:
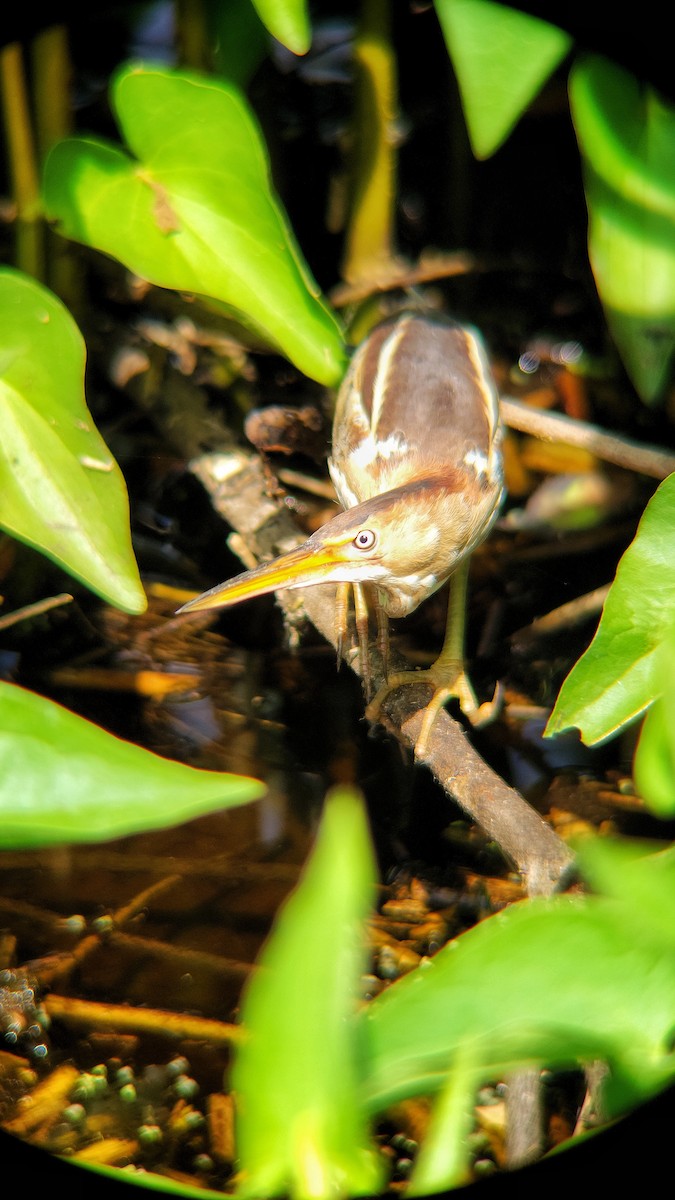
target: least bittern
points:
(416, 464)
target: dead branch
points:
(557, 427)
(235, 483)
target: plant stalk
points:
(370, 232)
(29, 256)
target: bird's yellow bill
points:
(300, 568)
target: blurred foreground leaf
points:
(444, 1157)
(641, 879)
(626, 135)
(556, 982)
(301, 1128)
(194, 209)
(61, 490)
(618, 676)
(654, 763)
(63, 779)
(501, 58)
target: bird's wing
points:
(407, 408)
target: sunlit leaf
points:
(626, 135)
(60, 487)
(618, 676)
(287, 21)
(641, 878)
(556, 982)
(63, 779)
(501, 58)
(301, 1129)
(654, 764)
(194, 209)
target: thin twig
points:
(63, 967)
(34, 610)
(181, 956)
(126, 1018)
(556, 427)
(402, 275)
(572, 613)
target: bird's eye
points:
(365, 539)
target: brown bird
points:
(416, 464)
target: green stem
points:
(51, 71)
(370, 235)
(29, 255)
(193, 40)
(50, 60)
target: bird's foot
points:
(449, 681)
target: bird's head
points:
(405, 542)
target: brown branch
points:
(127, 1018)
(557, 427)
(235, 483)
(573, 612)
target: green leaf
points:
(194, 210)
(501, 58)
(443, 1161)
(549, 982)
(618, 676)
(654, 764)
(63, 779)
(60, 488)
(301, 1129)
(640, 878)
(287, 21)
(626, 134)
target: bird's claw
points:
(448, 684)
(484, 713)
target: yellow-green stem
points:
(53, 121)
(52, 73)
(29, 255)
(193, 38)
(369, 241)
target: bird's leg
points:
(340, 618)
(446, 674)
(382, 637)
(361, 620)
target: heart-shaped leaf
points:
(618, 677)
(63, 779)
(501, 58)
(194, 210)
(60, 487)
